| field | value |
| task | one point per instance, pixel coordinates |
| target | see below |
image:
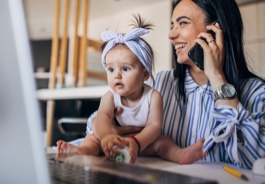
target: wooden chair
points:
(77, 65)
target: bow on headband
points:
(132, 41)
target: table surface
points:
(90, 92)
(208, 170)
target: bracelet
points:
(137, 142)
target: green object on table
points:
(119, 157)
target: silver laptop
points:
(23, 158)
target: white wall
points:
(116, 14)
(254, 36)
(159, 14)
(107, 14)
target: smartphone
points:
(196, 52)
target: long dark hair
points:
(235, 69)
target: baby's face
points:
(125, 73)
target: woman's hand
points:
(109, 142)
(118, 129)
(213, 51)
(123, 130)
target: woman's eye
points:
(182, 23)
(171, 26)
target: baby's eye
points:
(110, 69)
(125, 68)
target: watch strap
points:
(218, 93)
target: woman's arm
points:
(242, 129)
(251, 116)
(116, 129)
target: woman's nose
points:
(173, 33)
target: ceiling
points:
(43, 10)
(105, 6)
(114, 6)
(98, 8)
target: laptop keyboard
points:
(62, 172)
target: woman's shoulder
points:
(168, 72)
(254, 83)
(164, 80)
(161, 76)
(165, 74)
(253, 87)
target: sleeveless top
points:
(136, 116)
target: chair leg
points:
(83, 54)
(76, 43)
(52, 80)
(49, 121)
(63, 48)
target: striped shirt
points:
(220, 125)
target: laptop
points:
(23, 157)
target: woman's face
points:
(187, 22)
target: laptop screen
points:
(22, 155)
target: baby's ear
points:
(146, 75)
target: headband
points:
(132, 41)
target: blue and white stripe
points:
(218, 124)
(132, 41)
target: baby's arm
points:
(154, 121)
(103, 125)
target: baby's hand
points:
(109, 142)
(133, 147)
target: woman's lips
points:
(179, 47)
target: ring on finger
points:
(211, 41)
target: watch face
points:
(228, 90)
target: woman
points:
(196, 104)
